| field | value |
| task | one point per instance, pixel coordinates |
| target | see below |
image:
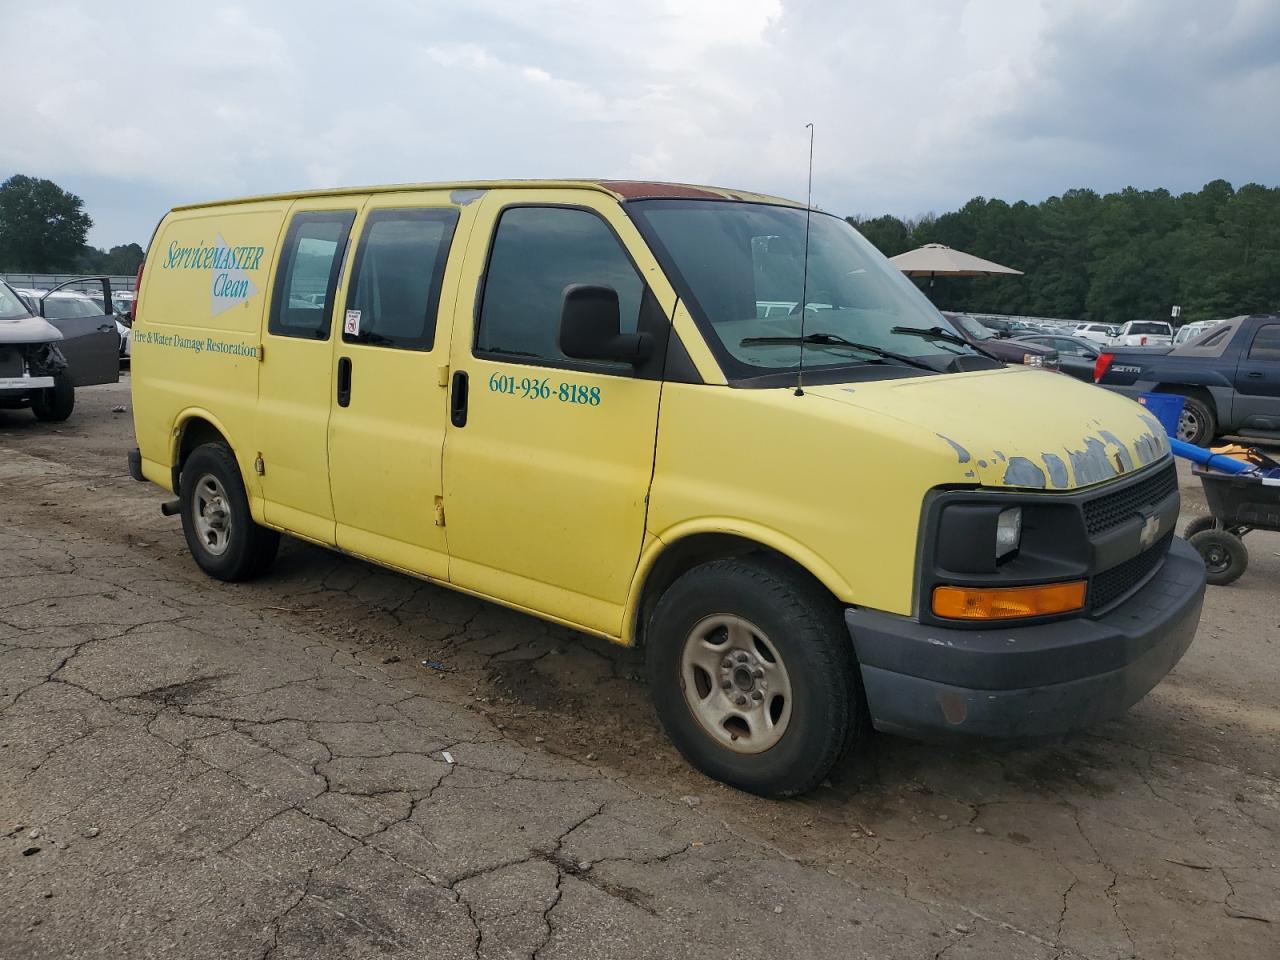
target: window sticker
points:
(351, 325)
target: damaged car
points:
(46, 353)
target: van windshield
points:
(739, 267)
(11, 305)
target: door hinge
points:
(439, 511)
(262, 349)
(259, 466)
(442, 375)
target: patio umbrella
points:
(936, 260)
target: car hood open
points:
(1017, 427)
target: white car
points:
(1144, 333)
(1189, 331)
(1097, 332)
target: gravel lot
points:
(191, 769)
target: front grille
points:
(10, 363)
(1111, 586)
(1112, 509)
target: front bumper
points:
(1028, 682)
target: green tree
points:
(42, 226)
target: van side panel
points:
(197, 341)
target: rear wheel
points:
(54, 404)
(753, 676)
(1225, 555)
(216, 520)
(1196, 423)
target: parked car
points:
(51, 343)
(1144, 333)
(1076, 355)
(1229, 375)
(977, 335)
(1004, 328)
(1097, 332)
(1189, 331)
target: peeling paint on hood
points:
(1017, 427)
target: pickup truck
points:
(1144, 333)
(1230, 376)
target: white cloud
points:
(917, 106)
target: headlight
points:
(1008, 531)
(1033, 359)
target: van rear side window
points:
(396, 275)
(308, 274)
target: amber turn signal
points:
(1007, 603)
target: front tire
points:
(54, 404)
(753, 676)
(220, 532)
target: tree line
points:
(1130, 255)
(43, 230)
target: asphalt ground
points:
(340, 761)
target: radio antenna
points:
(804, 275)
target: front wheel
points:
(217, 523)
(1225, 555)
(54, 404)
(753, 676)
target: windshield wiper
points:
(940, 333)
(834, 340)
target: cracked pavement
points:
(270, 770)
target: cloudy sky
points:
(918, 104)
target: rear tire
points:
(220, 532)
(753, 676)
(1225, 555)
(54, 404)
(1197, 424)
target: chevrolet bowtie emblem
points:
(1150, 530)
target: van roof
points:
(620, 189)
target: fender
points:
(246, 469)
(659, 543)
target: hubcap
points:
(735, 684)
(1188, 425)
(1216, 559)
(211, 512)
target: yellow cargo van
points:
(582, 400)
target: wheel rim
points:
(735, 684)
(1188, 426)
(211, 513)
(1216, 558)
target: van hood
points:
(27, 330)
(1016, 427)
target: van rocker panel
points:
(1031, 681)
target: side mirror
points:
(589, 322)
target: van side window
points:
(536, 253)
(307, 277)
(396, 275)
(1266, 343)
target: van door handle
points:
(344, 381)
(458, 400)
(106, 328)
(1255, 375)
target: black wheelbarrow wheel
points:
(1197, 525)
(1225, 555)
